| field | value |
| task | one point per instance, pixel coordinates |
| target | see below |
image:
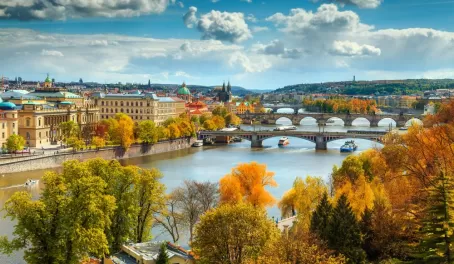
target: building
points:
(41, 112)
(197, 108)
(407, 101)
(147, 253)
(139, 106)
(225, 94)
(8, 121)
(184, 93)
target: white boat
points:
(30, 182)
(283, 141)
(198, 143)
(285, 128)
(403, 128)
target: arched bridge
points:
(322, 118)
(320, 139)
(275, 107)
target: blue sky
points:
(255, 44)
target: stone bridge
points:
(320, 139)
(322, 118)
(275, 107)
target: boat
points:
(283, 141)
(403, 128)
(198, 143)
(349, 146)
(237, 139)
(30, 182)
(285, 128)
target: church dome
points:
(183, 90)
(48, 80)
(7, 106)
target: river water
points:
(210, 163)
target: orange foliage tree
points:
(247, 183)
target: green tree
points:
(15, 143)
(232, 119)
(209, 125)
(148, 132)
(220, 111)
(163, 133)
(163, 257)
(367, 232)
(321, 218)
(67, 223)
(233, 234)
(69, 129)
(204, 117)
(438, 225)
(343, 232)
(99, 142)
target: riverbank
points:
(56, 160)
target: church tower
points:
(229, 88)
(223, 87)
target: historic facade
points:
(225, 95)
(184, 93)
(139, 106)
(8, 121)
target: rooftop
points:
(150, 250)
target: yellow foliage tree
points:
(218, 121)
(125, 130)
(246, 183)
(174, 131)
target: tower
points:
(223, 87)
(229, 87)
(354, 78)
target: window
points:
(116, 103)
(137, 103)
(121, 103)
(102, 103)
(39, 121)
(127, 103)
(137, 111)
(116, 110)
(3, 125)
(141, 104)
(39, 134)
(102, 110)
(3, 135)
(14, 125)
(28, 135)
(47, 133)
(27, 122)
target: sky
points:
(256, 44)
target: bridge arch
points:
(308, 138)
(412, 121)
(335, 121)
(386, 121)
(283, 120)
(308, 121)
(361, 121)
(284, 110)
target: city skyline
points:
(255, 44)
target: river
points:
(210, 163)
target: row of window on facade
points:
(27, 135)
(133, 117)
(116, 103)
(127, 111)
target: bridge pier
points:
(401, 123)
(348, 123)
(256, 142)
(374, 123)
(320, 143)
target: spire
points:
(223, 87)
(229, 87)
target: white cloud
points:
(277, 48)
(359, 3)
(224, 26)
(349, 48)
(259, 29)
(180, 4)
(54, 53)
(190, 17)
(62, 9)
(247, 64)
(251, 18)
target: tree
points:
(303, 199)
(218, 121)
(219, 111)
(163, 257)
(170, 219)
(209, 125)
(438, 225)
(343, 232)
(75, 143)
(193, 199)
(174, 131)
(321, 218)
(15, 143)
(69, 129)
(232, 119)
(233, 234)
(204, 117)
(125, 130)
(148, 132)
(99, 142)
(67, 223)
(247, 183)
(163, 133)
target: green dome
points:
(183, 90)
(48, 80)
(7, 106)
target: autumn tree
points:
(67, 223)
(15, 143)
(148, 132)
(218, 121)
(219, 111)
(209, 125)
(232, 119)
(174, 131)
(204, 117)
(69, 129)
(247, 183)
(163, 133)
(302, 198)
(75, 142)
(171, 220)
(233, 234)
(99, 142)
(125, 130)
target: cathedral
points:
(225, 95)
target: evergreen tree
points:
(321, 217)
(163, 258)
(366, 227)
(343, 232)
(438, 225)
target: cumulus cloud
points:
(251, 18)
(224, 26)
(277, 48)
(349, 48)
(62, 9)
(359, 3)
(190, 17)
(259, 29)
(54, 53)
(247, 64)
